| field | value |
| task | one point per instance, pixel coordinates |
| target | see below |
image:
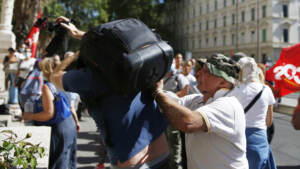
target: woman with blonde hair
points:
(257, 100)
(53, 110)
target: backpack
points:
(127, 55)
(32, 89)
(61, 107)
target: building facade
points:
(259, 28)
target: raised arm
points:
(72, 29)
(181, 117)
(56, 76)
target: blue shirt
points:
(130, 123)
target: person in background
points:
(176, 66)
(63, 133)
(270, 129)
(296, 116)
(181, 84)
(13, 90)
(21, 51)
(24, 68)
(56, 59)
(258, 116)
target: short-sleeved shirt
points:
(129, 123)
(256, 116)
(224, 145)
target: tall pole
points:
(257, 31)
(237, 27)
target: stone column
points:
(7, 37)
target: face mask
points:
(22, 50)
(27, 54)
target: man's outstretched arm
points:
(57, 75)
(181, 117)
(72, 29)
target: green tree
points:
(85, 13)
(148, 11)
(24, 14)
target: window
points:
(224, 40)
(252, 14)
(200, 43)
(224, 21)
(252, 36)
(264, 11)
(285, 10)
(200, 26)
(216, 4)
(233, 19)
(233, 2)
(215, 24)
(207, 25)
(225, 3)
(207, 7)
(264, 58)
(193, 44)
(215, 41)
(242, 37)
(243, 16)
(285, 35)
(194, 12)
(194, 28)
(206, 42)
(264, 35)
(200, 10)
(232, 39)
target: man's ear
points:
(225, 84)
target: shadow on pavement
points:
(91, 152)
(288, 167)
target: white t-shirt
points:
(224, 145)
(26, 66)
(256, 115)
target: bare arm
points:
(269, 118)
(48, 107)
(74, 116)
(56, 76)
(72, 29)
(181, 117)
(16, 77)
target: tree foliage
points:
(87, 14)
(24, 14)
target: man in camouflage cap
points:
(215, 122)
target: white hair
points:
(249, 70)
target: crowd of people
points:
(206, 113)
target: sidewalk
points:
(89, 151)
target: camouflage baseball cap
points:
(222, 66)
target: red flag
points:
(286, 72)
(33, 37)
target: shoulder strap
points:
(52, 88)
(254, 100)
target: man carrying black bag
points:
(130, 124)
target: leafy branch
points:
(19, 153)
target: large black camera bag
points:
(127, 55)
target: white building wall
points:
(192, 37)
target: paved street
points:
(286, 143)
